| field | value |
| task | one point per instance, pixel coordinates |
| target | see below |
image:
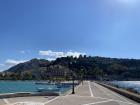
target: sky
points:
(54, 28)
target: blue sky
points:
(54, 28)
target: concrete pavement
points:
(89, 93)
(92, 94)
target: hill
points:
(31, 65)
(101, 68)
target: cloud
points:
(11, 62)
(53, 54)
(50, 59)
(74, 54)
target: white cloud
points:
(74, 54)
(11, 62)
(50, 59)
(53, 54)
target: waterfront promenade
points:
(88, 93)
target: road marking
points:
(102, 98)
(125, 102)
(91, 93)
(121, 97)
(101, 88)
(6, 101)
(27, 103)
(98, 102)
(110, 100)
(112, 93)
(51, 100)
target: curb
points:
(27, 94)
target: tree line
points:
(83, 67)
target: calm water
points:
(128, 84)
(25, 86)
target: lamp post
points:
(82, 75)
(73, 91)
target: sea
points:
(128, 84)
(27, 86)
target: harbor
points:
(33, 87)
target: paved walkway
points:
(89, 93)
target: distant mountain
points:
(101, 68)
(37, 69)
(33, 64)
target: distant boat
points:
(47, 89)
(45, 83)
(41, 83)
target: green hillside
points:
(100, 68)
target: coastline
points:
(27, 94)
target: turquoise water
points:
(128, 84)
(25, 86)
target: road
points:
(89, 93)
